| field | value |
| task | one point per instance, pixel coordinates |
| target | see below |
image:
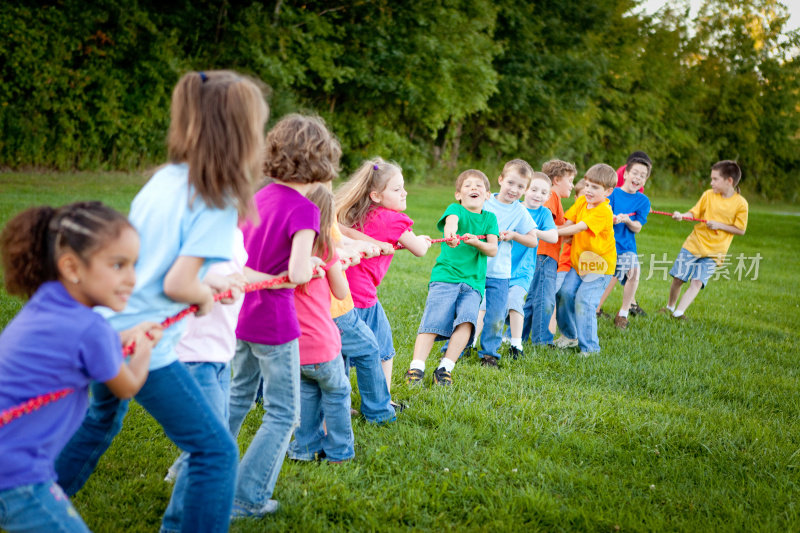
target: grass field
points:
(679, 426)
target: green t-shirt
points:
(464, 263)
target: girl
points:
(372, 202)
(67, 261)
(324, 386)
(186, 215)
(300, 151)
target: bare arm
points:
(301, 267)
(451, 230)
(489, 247)
(634, 225)
(386, 248)
(337, 281)
(550, 235)
(181, 284)
(254, 276)
(416, 244)
(570, 228)
(527, 239)
(714, 225)
(131, 377)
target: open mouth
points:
(474, 195)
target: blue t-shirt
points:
(511, 216)
(523, 259)
(54, 343)
(624, 202)
(172, 221)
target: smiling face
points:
(537, 194)
(473, 194)
(562, 185)
(393, 195)
(512, 187)
(595, 193)
(635, 176)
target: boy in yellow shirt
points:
(725, 211)
(590, 223)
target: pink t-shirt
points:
(384, 225)
(320, 340)
(268, 316)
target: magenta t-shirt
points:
(384, 225)
(320, 340)
(268, 316)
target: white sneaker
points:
(565, 342)
(505, 340)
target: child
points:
(590, 222)
(624, 201)
(523, 258)
(541, 299)
(726, 212)
(372, 202)
(565, 258)
(324, 386)
(66, 261)
(458, 278)
(300, 152)
(186, 215)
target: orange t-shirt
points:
(565, 259)
(339, 307)
(594, 250)
(554, 205)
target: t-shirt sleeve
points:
(304, 216)
(452, 209)
(572, 212)
(395, 224)
(700, 207)
(740, 221)
(642, 210)
(546, 222)
(526, 222)
(100, 351)
(209, 232)
(491, 224)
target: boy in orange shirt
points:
(590, 222)
(565, 259)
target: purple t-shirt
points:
(268, 316)
(54, 343)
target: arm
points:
(488, 248)
(714, 225)
(528, 239)
(677, 215)
(182, 284)
(550, 235)
(254, 276)
(131, 377)
(451, 230)
(570, 228)
(386, 248)
(634, 225)
(337, 282)
(301, 268)
(416, 244)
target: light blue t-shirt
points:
(511, 216)
(171, 223)
(523, 259)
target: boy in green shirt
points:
(458, 278)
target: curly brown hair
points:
(556, 169)
(300, 149)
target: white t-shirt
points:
(513, 216)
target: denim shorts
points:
(375, 319)
(447, 306)
(687, 267)
(516, 298)
(626, 261)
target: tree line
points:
(433, 84)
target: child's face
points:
(719, 184)
(473, 194)
(512, 187)
(595, 193)
(635, 177)
(537, 194)
(394, 195)
(562, 185)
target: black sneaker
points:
(469, 351)
(515, 352)
(602, 314)
(414, 376)
(635, 310)
(489, 360)
(398, 407)
(442, 377)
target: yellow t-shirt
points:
(704, 242)
(594, 250)
(339, 307)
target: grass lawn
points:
(675, 426)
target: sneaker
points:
(398, 407)
(505, 340)
(240, 512)
(682, 317)
(515, 353)
(468, 351)
(665, 311)
(635, 310)
(602, 314)
(171, 476)
(621, 322)
(442, 377)
(490, 360)
(414, 376)
(565, 342)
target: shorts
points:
(516, 298)
(687, 267)
(375, 319)
(626, 261)
(447, 306)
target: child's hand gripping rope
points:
(455, 239)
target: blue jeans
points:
(540, 302)
(39, 507)
(214, 380)
(577, 305)
(324, 395)
(280, 367)
(496, 300)
(360, 349)
(375, 319)
(175, 401)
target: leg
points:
(423, 346)
(39, 507)
(334, 387)
(308, 437)
(375, 318)
(586, 298)
(606, 293)
(629, 290)
(458, 341)
(565, 312)
(688, 297)
(386, 366)
(479, 325)
(496, 300)
(674, 292)
(244, 384)
(543, 299)
(515, 323)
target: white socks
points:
(623, 314)
(416, 364)
(672, 309)
(447, 364)
(516, 342)
(677, 314)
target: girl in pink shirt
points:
(372, 203)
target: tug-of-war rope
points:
(36, 403)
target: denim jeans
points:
(496, 300)
(39, 507)
(540, 302)
(214, 380)
(280, 367)
(324, 395)
(360, 349)
(375, 319)
(175, 401)
(577, 305)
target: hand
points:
(621, 218)
(471, 239)
(317, 265)
(508, 235)
(427, 239)
(677, 215)
(452, 239)
(206, 304)
(713, 224)
(386, 248)
(369, 250)
(151, 330)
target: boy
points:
(624, 201)
(590, 222)
(542, 292)
(523, 259)
(515, 224)
(726, 213)
(457, 279)
(565, 259)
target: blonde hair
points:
(542, 176)
(301, 149)
(217, 128)
(603, 175)
(472, 173)
(352, 199)
(579, 186)
(520, 166)
(322, 197)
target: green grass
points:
(675, 426)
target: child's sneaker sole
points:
(414, 376)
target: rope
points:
(399, 246)
(652, 212)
